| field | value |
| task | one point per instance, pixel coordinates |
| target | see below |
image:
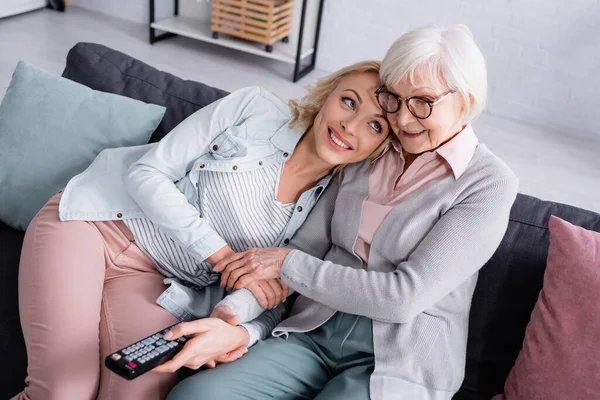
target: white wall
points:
(131, 10)
(543, 55)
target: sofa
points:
(506, 292)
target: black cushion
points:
(508, 288)
(108, 70)
(13, 360)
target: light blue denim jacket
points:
(246, 130)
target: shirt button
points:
(235, 167)
(260, 163)
(285, 154)
(119, 215)
(286, 241)
(215, 147)
(299, 208)
(202, 165)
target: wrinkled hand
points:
(240, 269)
(213, 340)
(269, 293)
(224, 313)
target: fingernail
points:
(244, 351)
(168, 335)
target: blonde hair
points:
(434, 53)
(306, 110)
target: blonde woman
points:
(387, 262)
(242, 172)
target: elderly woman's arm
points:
(459, 244)
(314, 238)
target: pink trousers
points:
(85, 291)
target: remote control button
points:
(142, 361)
(148, 341)
(172, 344)
(160, 342)
(182, 339)
(162, 349)
(126, 352)
(115, 356)
(154, 353)
(157, 336)
(132, 365)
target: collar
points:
(459, 151)
(286, 138)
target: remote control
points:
(139, 358)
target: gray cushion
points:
(51, 129)
(102, 68)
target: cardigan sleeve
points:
(458, 245)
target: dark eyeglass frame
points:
(399, 99)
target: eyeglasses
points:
(419, 107)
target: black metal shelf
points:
(299, 71)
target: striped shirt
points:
(242, 207)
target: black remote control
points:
(139, 358)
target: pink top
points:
(389, 184)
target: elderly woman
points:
(387, 262)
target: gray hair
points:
(437, 54)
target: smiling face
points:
(350, 126)
(446, 120)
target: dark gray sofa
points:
(508, 284)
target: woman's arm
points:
(313, 237)
(243, 305)
(151, 180)
(214, 339)
(443, 260)
(261, 327)
(459, 244)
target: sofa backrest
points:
(102, 68)
(508, 288)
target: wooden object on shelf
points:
(261, 21)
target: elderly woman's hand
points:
(213, 340)
(269, 293)
(240, 269)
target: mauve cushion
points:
(560, 358)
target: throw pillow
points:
(560, 358)
(51, 129)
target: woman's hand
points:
(269, 293)
(240, 269)
(213, 339)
